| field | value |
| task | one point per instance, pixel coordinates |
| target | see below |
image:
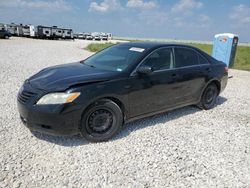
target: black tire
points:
(101, 121)
(209, 97)
(6, 37)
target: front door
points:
(157, 90)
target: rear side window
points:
(185, 57)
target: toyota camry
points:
(128, 81)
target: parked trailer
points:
(62, 33)
(43, 32)
(28, 30)
(15, 29)
(12, 28)
(67, 34)
(56, 32)
(19, 30)
(3, 26)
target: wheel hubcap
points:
(210, 96)
(100, 121)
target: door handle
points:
(209, 69)
(174, 75)
(127, 86)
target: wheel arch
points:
(113, 99)
(213, 81)
(120, 104)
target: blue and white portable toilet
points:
(225, 47)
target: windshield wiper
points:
(92, 66)
(89, 65)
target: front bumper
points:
(51, 119)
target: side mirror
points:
(144, 69)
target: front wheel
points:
(101, 121)
(6, 37)
(209, 96)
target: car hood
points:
(61, 77)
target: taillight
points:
(226, 69)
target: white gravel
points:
(183, 148)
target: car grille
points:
(24, 96)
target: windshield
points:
(116, 58)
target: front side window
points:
(115, 58)
(185, 57)
(160, 59)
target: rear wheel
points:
(6, 37)
(101, 121)
(209, 96)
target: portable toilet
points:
(225, 47)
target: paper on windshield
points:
(135, 49)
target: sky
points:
(171, 19)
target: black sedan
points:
(96, 96)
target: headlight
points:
(58, 98)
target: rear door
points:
(190, 78)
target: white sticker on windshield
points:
(136, 49)
(119, 70)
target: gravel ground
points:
(187, 147)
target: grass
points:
(96, 47)
(242, 60)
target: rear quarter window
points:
(203, 60)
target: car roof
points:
(151, 45)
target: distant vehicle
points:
(56, 32)
(3, 26)
(110, 36)
(81, 36)
(5, 34)
(67, 34)
(88, 36)
(75, 35)
(19, 30)
(28, 30)
(97, 37)
(15, 29)
(128, 81)
(105, 37)
(11, 28)
(43, 32)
